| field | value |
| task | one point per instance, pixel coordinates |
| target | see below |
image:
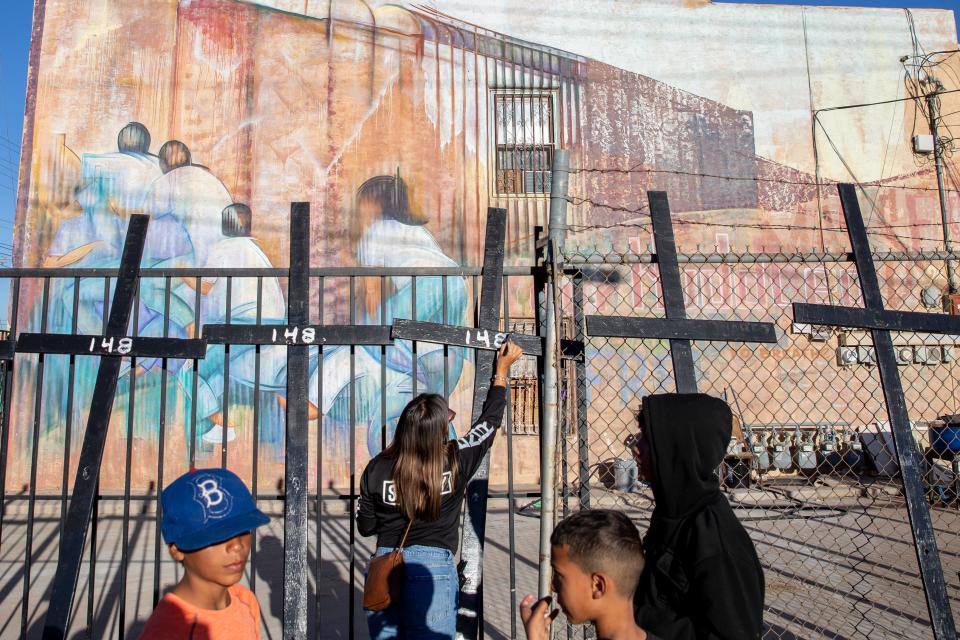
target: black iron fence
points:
(227, 410)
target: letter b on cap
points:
(215, 500)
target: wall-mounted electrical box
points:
(923, 144)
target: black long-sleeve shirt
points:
(378, 511)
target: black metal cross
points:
(676, 327)
(486, 339)
(880, 322)
(298, 335)
(111, 347)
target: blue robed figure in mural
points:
(394, 235)
(236, 247)
(112, 186)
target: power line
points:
(879, 102)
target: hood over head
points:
(688, 435)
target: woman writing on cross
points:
(415, 488)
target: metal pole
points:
(548, 429)
(938, 162)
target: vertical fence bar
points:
(353, 465)
(225, 403)
(383, 367)
(7, 399)
(446, 348)
(549, 393)
(413, 343)
(254, 463)
(128, 461)
(198, 282)
(65, 482)
(511, 516)
(34, 459)
(583, 425)
(319, 538)
(161, 445)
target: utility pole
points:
(551, 379)
(938, 163)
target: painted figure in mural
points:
(191, 194)
(194, 223)
(237, 247)
(112, 187)
(391, 233)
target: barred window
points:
(525, 143)
(525, 384)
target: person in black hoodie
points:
(702, 579)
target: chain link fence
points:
(811, 469)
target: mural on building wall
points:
(400, 126)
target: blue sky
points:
(911, 4)
(15, 34)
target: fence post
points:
(580, 393)
(557, 231)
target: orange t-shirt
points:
(177, 619)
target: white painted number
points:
(307, 336)
(123, 346)
(483, 337)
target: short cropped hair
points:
(173, 155)
(236, 221)
(135, 138)
(390, 192)
(603, 541)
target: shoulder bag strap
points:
(403, 541)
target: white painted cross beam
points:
(470, 337)
(298, 335)
(676, 328)
(880, 322)
(111, 348)
(482, 339)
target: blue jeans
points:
(428, 606)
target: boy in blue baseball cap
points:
(208, 515)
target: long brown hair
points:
(422, 451)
